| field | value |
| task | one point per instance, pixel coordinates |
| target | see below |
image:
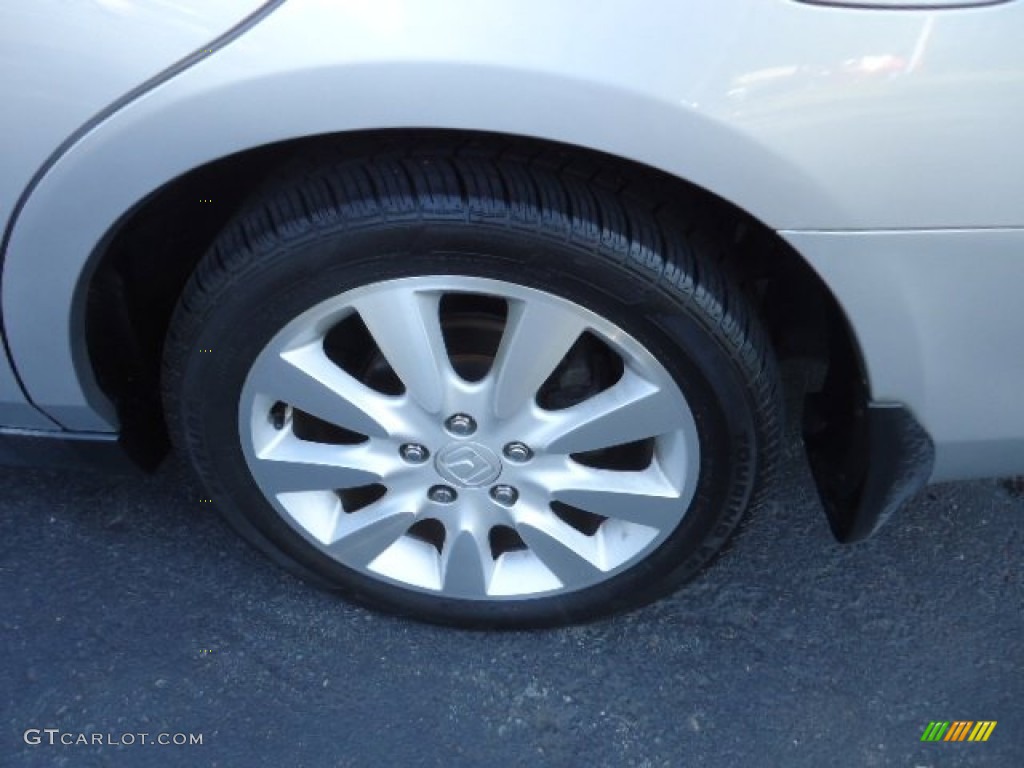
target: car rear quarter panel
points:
(809, 118)
(65, 65)
(64, 62)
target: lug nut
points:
(505, 495)
(414, 453)
(460, 424)
(442, 494)
(279, 414)
(518, 452)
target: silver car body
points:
(882, 143)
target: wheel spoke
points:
(361, 536)
(633, 409)
(305, 378)
(290, 465)
(537, 336)
(645, 497)
(573, 557)
(407, 327)
(466, 563)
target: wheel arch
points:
(140, 267)
(114, 171)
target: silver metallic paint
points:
(15, 410)
(810, 118)
(940, 321)
(62, 62)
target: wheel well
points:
(143, 264)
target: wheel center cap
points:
(468, 464)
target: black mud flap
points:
(886, 464)
(867, 458)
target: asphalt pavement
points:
(127, 607)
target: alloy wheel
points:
(469, 437)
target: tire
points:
(471, 388)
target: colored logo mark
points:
(958, 730)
